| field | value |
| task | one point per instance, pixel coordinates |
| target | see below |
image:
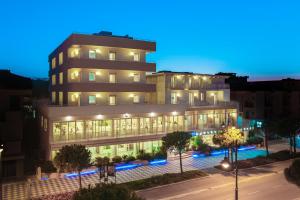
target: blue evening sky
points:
(260, 38)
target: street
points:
(266, 182)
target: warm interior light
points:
(98, 95)
(196, 77)
(98, 51)
(126, 115)
(68, 118)
(99, 116)
(204, 78)
(174, 113)
(152, 114)
(98, 73)
(131, 75)
(131, 95)
(212, 94)
(178, 94)
(131, 53)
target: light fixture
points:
(204, 78)
(99, 116)
(98, 50)
(68, 118)
(174, 113)
(196, 77)
(98, 73)
(126, 115)
(131, 95)
(178, 94)
(152, 114)
(131, 53)
(131, 75)
(98, 95)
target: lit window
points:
(112, 100)
(60, 98)
(53, 80)
(53, 97)
(60, 58)
(92, 54)
(92, 99)
(201, 96)
(53, 63)
(61, 78)
(173, 98)
(74, 52)
(112, 78)
(92, 76)
(136, 78)
(74, 75)
(136, 57)
(136, 99)
(112, 56)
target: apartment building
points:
(105, 95)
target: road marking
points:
(215, 187)
(251, 193)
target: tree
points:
(292, 174)
(73, 158)
(101, 163)
(178, 140)
(231, 137)
(287, 127)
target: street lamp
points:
(226, 165)
(1, 149)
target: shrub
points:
(142, 155)
(117, 159)
(255, 140)
(47, 166)
(280, 155)
(292, 173)
(106, 191)
(130, 158)
(160, 155)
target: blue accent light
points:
(244, 148)
(85, 173)
(155, 162)
(127, 166)
(194, 133)
(198, 155)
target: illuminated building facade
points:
(106, 96)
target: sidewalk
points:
(55, 186)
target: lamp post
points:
(226, 165)
(1, 149)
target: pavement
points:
(259, 183)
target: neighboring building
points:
(260, 100)
(15, 103)
(106, 96)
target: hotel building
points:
(106, 96)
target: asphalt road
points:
(262, 183)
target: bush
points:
(106, 191)
(129, 159)
(292, 173)
(47, 167)
(280, 155)
(117, 159)
(255, 140)
(160, 155)
(142, 155)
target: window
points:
(173, 81)
(136, 98)
(92, 54)
(92, 99)
(45, 124)
(112, 78)
(74, 52)
(92, 76)
(136, 78)
(112, 56)
(61, 78)
(60, 98)
(112, 100)
(201, 96)
(60, 58)
(53, 63)
(173, 98)
(53, 80)
(136, 57)
(53, 97)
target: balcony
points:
(105, 87)
(107, 64)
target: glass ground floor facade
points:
(65, 131)
(129, 149)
